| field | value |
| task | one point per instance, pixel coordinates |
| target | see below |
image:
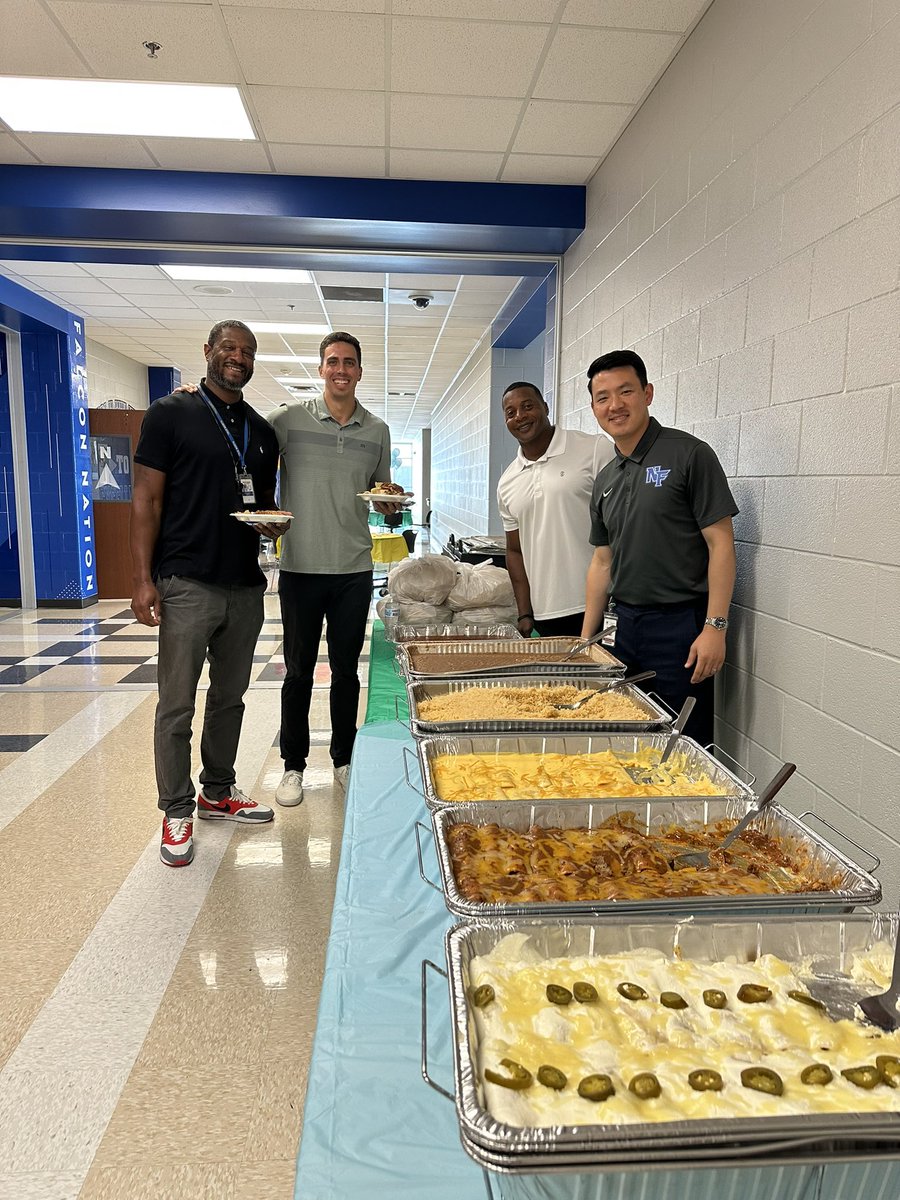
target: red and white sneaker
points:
(236, 807)
(177, 846)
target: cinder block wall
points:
(112, 376)
(744, 237)
(460, 452)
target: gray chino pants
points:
(199, 621)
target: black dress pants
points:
(342, 602)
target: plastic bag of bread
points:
(413, 612)
(426, 580)
(481, 586)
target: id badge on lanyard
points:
(245, 482)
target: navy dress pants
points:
(658, 639)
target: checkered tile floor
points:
(56, 650)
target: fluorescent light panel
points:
(113, 106)
(236, 274)
(290, 327)
(298, 381)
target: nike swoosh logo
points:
(606, 493)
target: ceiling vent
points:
(359, 295)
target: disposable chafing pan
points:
(545, 653)
(855, 885)
(654, 715)
(825, 943)
(696, 761)
(453, 633)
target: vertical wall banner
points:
(84, 502)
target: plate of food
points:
(391, 493)
(263, 516)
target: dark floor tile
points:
(18, 743)
(23, 674)
(273, 673)
(112, 660)
(132, 637)
(125, 615)
(16, 658)
(144, 674)
(60, 649)
(106, 627)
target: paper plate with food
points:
(389, 493)
(263, 516)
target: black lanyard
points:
(241, 454)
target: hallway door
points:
(114, 436)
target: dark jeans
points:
(202, 621)
(342, 601)
(658, 639)
(560, 626)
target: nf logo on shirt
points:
(656, 476)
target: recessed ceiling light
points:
(310, 359)
(114, 106)
(213, 289)
(289, 327)
(236, 274)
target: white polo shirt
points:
(549, 502)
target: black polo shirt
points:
(197, 536)
(651, 507)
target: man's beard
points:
(226, 385)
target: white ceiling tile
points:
(557, 127)
(677, 15)
(170, 303)
(452, 122)
(464, 58)
(79, 285)
(45, 270)
(547, 168)
(445, 164)
(119, 273)
(12, 151)
(200, 154)
(605, 66)
(108, 313)
(110, 37)
(484, 10)
(431, 283)
(323, 6)
(37, 45)
(145, 287)
(363, 161)
(284, 46)
(74, 150)
(309, 115)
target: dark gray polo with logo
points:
(650, 509)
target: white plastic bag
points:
(426, 580)
(481, 586)
(414, 612)
(486, 616)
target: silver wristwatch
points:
(717, 622)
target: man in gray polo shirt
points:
(661, 525)
(331, 449)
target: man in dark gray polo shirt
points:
(331, 449)
(661, 525)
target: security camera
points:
(421, 299)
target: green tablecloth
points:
(384, 682)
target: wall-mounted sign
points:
(111, 467)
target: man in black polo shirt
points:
(664, 546)
(201, 457)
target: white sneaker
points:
(290, 791)
(341, 775)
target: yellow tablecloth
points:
(388, 548)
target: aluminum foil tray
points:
(425, 633)
(855, 885)
(697, 761)
(655, 716)
(541, 649)
(826, 943)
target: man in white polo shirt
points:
(544, 497)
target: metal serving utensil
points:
(700, 858)
(881, 1010)
(656, 774)
(582, 645)
(641, 675)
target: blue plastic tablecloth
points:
(373, 1129)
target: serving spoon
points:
(700, 858)
(642, 675)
